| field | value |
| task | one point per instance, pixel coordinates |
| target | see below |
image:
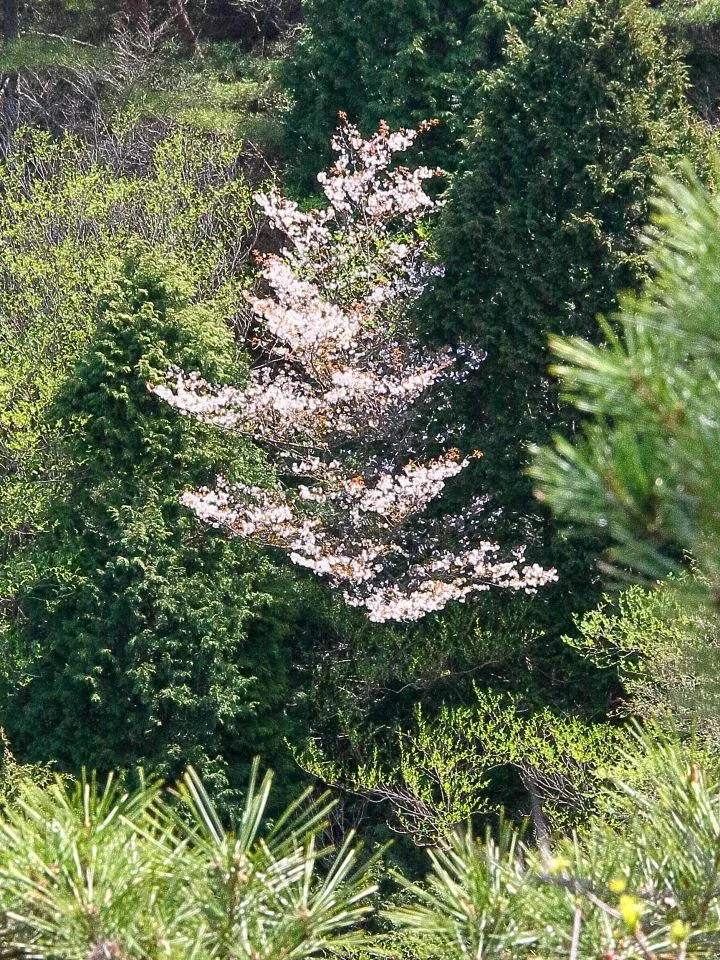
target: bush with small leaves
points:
(139, 638)
(663, 643)
(647, 891)
(445, 769)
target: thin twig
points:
(575, 942)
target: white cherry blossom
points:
(342, 397)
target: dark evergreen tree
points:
(401, 62)
(542, 228)
(145, 639)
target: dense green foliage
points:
(663, 648)
(542, 230)
(139, 640)
(69, 218)
(694, 26)
(93, 871)
(646, 889)
(402, 62)
(644, 467)
(542, 225)
(443, 770)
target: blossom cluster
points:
(359, 556)
(341, 395)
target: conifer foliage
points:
(543, 221)
(90, 870)
(645, 891)
(645, 468)
(400, 62)
(139, 637)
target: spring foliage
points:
(350, 441)
(663, 644)
(443, 770)
(91, 870)
(649, 890)
(67, 220)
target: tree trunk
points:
(185, 28)
(542, 831)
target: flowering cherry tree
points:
(346, 401)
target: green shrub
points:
(67, 219)
(645, 467)
(475, 759)
(142, 639)
(647, 890)
(542, 228)
(663, 644)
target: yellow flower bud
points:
(631, 909)
(558, 865)
(617, 885)
(679, 931)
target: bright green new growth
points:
(97, 871)
(691, 13)
(663, 648)
(128, 634)
(444, 770)
(67, 220)
(649, 890)
(91, 870)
